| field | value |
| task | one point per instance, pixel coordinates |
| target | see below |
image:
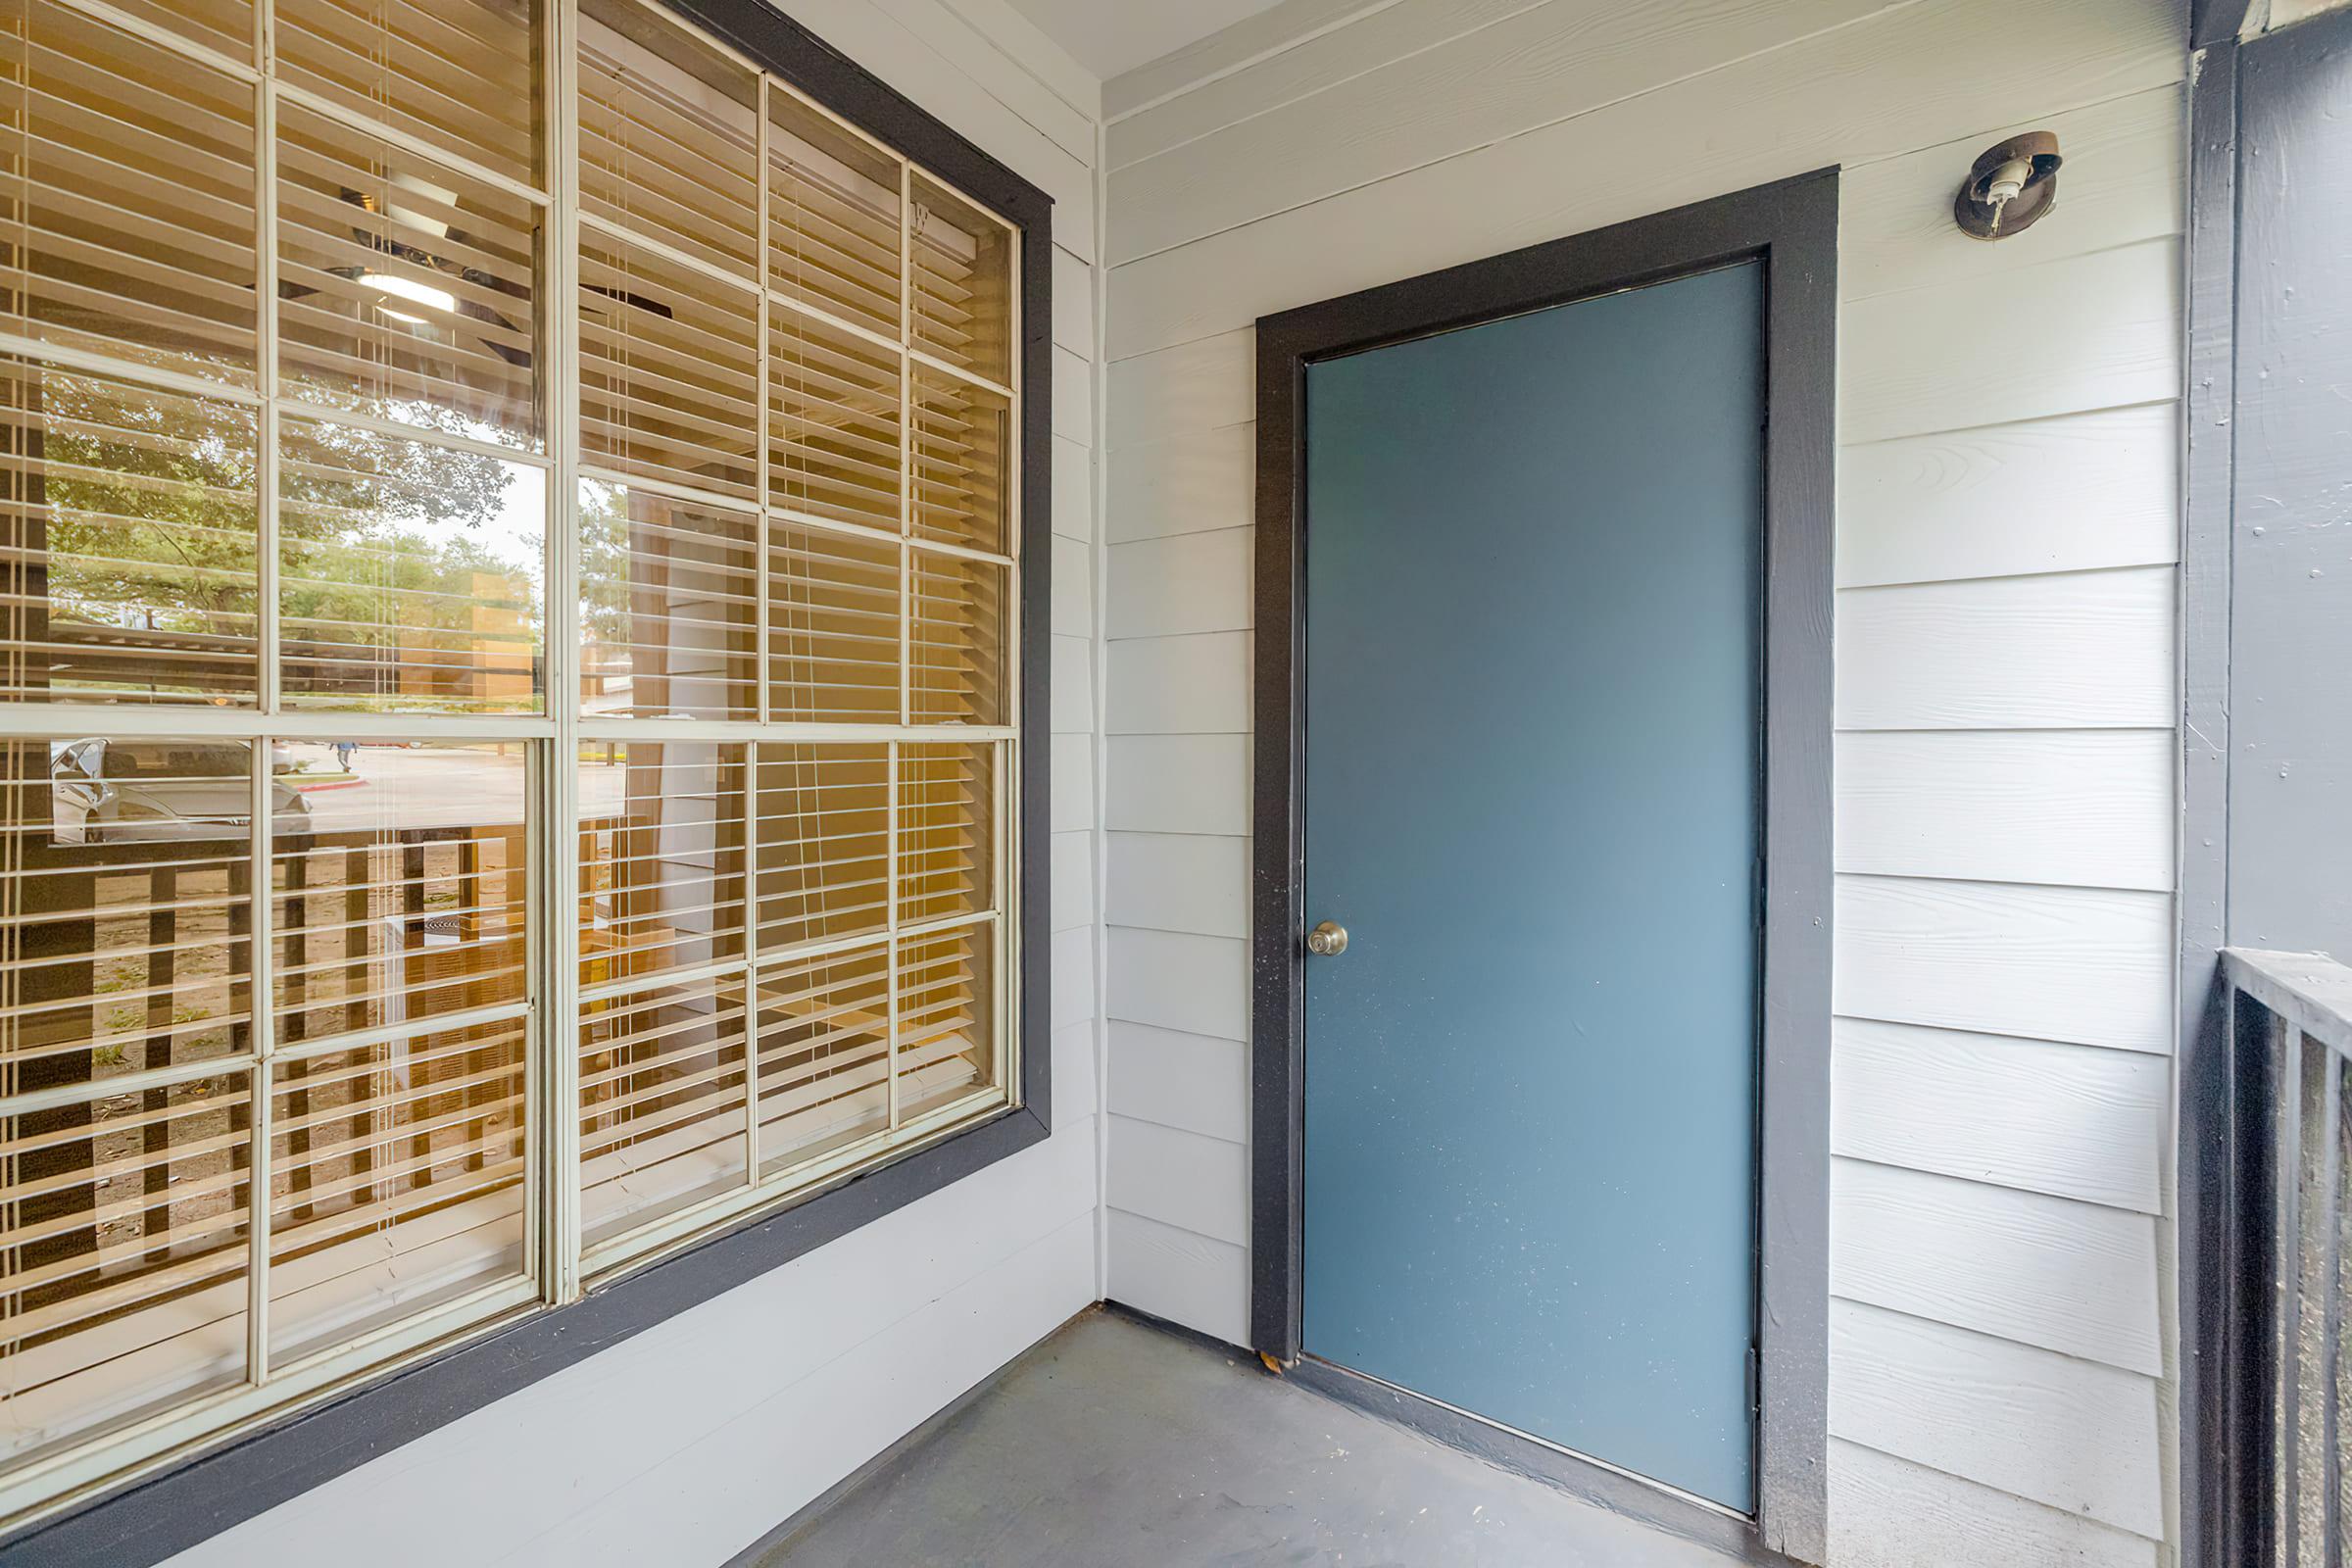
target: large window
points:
(507, 650)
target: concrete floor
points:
(1116, 1445)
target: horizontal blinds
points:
(224, 27)
(962, 285)
(669, 606)
(962, 440)
(126, 210)
(957, 632)
(946, 832)
(414, 1147)
(405, 288)
(462, 75)
(662, 868)
(669, 137)
(123, 1266)
(833, 238)
(794, 509)
(406, 901)
(947, 1010)
(834, 424)
(825, 1055)
(669, 371)
(833, 626)
(411, 573)
(821, 844)
(129, 541)
(662, 1116)
(125, 935)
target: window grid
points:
(554, 1265)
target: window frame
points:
(436, 1370)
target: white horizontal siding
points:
(2072, 1277)
(2084, 808)
(2007, 514)
(2034, 1114)
(2080, 491)
(1180, 1275)
(2083, 965)
(2072, 1434)
(1906, 77)
(1887, 1513)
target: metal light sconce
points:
(2013, 186)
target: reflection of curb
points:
(314, 789)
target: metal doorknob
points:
(1327, 941)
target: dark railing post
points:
(2251, 1371)
(2279, 1435)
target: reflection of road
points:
(397, 786)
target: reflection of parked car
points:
(142, 791)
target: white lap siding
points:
(2006, 775)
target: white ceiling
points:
(1110, 37)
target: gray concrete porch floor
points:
(1116, 1445)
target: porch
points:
(1120, 1443)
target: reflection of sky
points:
(518, 533)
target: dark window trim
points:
(2209, 1165)
(1792, 228)
(150, 1519)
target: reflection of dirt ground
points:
(404, 901)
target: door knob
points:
(1327, 941)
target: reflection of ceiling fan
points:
(411, 290)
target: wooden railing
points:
(2284, 1402)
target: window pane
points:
(125, 907)
(463, 75)
(669, 135)
(226, 26)
(832, 217)
(669, 606)
(946, 831)
(404, 290)
(396, 1181)
(661, 862)
(824, 1049)
(123, 1258)
(947, 1017)
(128, 542)
(126, 196)
(662, 1104)
(957, 639)
(823, 843)
(962, 436)
(833, 423)
(669, 371)
(832, 627)
(400, 883)
(411, 573)
(962, 282)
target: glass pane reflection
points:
(413, 575)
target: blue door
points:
(1531, 802)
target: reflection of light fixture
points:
(408, 288)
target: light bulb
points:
(408, 288)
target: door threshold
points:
(1683, 1514)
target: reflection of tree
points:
(369, 515)
(137, 513)
(605, 575)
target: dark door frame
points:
(1791, 228)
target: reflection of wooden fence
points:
(373, 930)
(437, 665)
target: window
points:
(508, 756)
